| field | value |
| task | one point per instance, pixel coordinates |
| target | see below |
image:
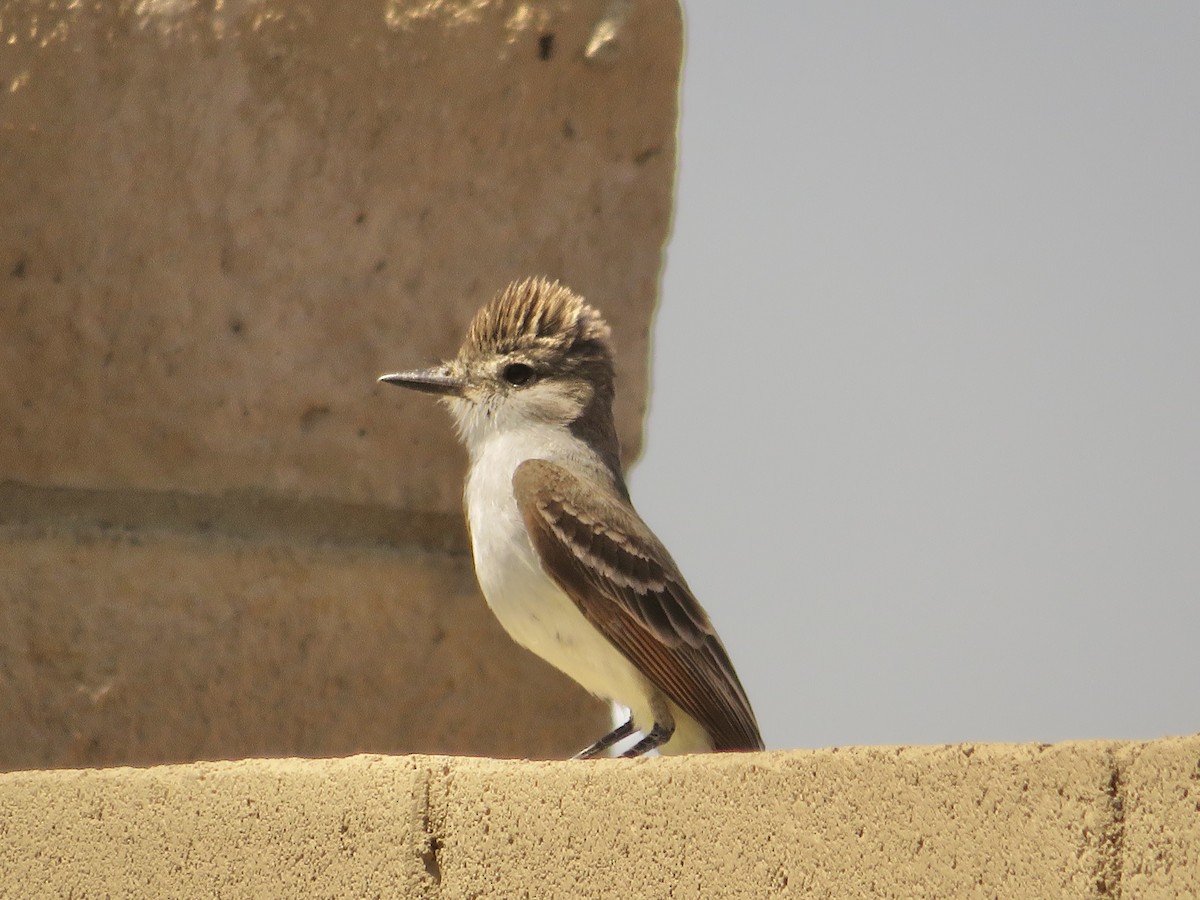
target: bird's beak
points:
(437, 380)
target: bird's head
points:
(536, 355)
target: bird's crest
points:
(538, 316)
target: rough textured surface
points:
(864, 822)
(1086, 820)
(222, 221)
(258, 828)
(147, 648)
(1157, 806)
(219, 222)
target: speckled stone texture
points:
(219, 222)
(1076, 820)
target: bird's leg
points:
(659, 735)
(617, 734)
(664, 727)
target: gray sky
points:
(925, 423)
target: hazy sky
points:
(925, 422)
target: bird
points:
(562, 558)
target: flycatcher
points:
(564, 561)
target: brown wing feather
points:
(600, 552)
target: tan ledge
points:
(1082, 819)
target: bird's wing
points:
(599, 551)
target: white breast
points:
(530, 606)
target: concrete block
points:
(257, 828)
(1076, 820)
(153, 647)
(1009, 821)
(1156, 800)
(222, 221)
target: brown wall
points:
(218, 224)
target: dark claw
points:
(617, 734)
(658, 736)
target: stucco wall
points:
(219, 222)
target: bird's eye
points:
(517, 374)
